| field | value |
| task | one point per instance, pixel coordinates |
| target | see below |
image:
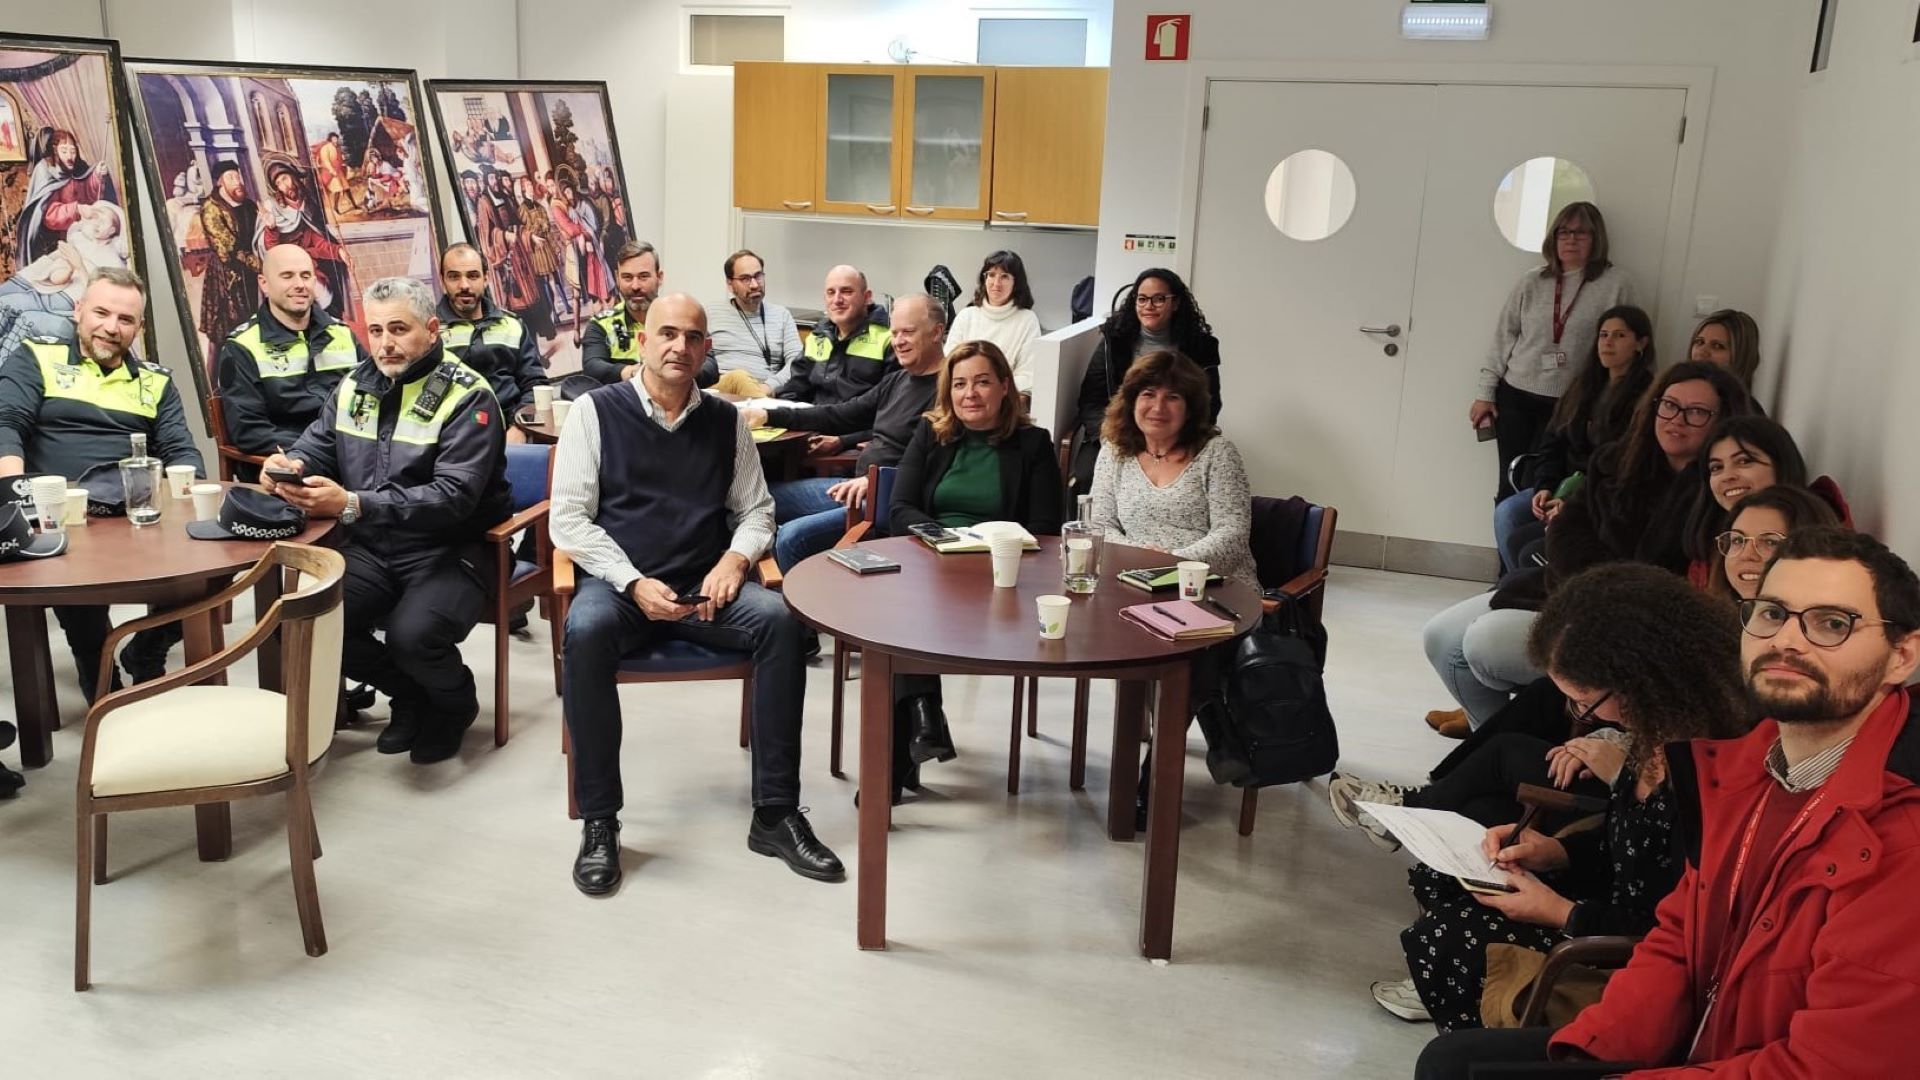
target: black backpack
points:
(1277, 700)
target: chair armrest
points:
(232, 453)
(527, 518)
(213, 665)
(111, 645)
(1605, 953)
(768, 571)
(854, 535)
(562, 573)
(1559, 802)
(1305, 583)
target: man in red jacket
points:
(1789, 947)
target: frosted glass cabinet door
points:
(952, 145)
(859, 144)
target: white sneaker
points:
(1344, 791)
(1401, 999)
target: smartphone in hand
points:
(690, 599)
(285, 476)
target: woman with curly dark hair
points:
(1156, 314)
(1629, 645)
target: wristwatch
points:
(351, 512)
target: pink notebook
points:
(1177, 620)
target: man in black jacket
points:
(413, 447)
(813, 513)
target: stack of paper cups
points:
(1006, 560)
(49, 501)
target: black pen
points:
(1221, 608)
(1526, 819)
(1169, 614)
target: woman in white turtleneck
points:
(1001, 312)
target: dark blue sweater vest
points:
(663, 494)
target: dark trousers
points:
(86, 629)
(1520, 421)
(604, 625)
(1501, 1054)
(1481, 786)
(430, 601)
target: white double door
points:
(1372, 423)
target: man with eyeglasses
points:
(751, 333)
(1788, 949)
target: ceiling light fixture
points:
(1430, 21)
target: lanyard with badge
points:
(1556, 357)
(763, 339)
(1733, 899)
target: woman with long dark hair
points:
(1546, 327)
(1156, 314)
(1002, 313)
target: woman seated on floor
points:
(1756, 527)
(1746, 454)
(1635, 646)
(976, 457)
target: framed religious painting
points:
(66, 183)
(536, 173)
(240, 158)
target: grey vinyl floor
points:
(459, 947)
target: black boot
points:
(403, 727)
(931, 739)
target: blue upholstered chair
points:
(516, 581)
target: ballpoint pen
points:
(1221, 608)
(1163, 611)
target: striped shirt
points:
(1810, 773)
(576, 491)
(764, 344)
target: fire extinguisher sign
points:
(1167, 36)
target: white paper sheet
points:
(1442, 839)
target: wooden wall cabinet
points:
(776, 136)
(1049, 133)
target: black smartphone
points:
(933, 534)
(1488, 888)
(285, 476)
(690, 599)
(1485, 433)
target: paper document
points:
(1442, 839)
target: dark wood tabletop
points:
(941, 613)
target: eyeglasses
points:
(1731, 543)
(1152, 300)
(748, 279)
(1693, 415)
(1572, 234)
(1824, 627)
(1582, 715)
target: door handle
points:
(797, 204)
(922, 211)
(1011, 215)
(1391, 329)
(882, 208)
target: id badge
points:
(1554, 360)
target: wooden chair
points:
(870, 519)
(665, 661)
(229, 455)
(516, 581)
(184, 740)
(1030, 686)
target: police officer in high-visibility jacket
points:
(410, 454)
(469, 318)
(69, 407)
(277, 370)
(610, 351)
(846, 355)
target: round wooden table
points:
(539, 432)
(941, 613)
(108, 561)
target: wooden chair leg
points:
(306, 889)
(500, 638)
(83, 897)
(99, 849)
(313, 831)
(839, 708)
(1249, 804)
(1033, 707)
(1013, 737)
(1077, 760)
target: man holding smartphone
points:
(659, 499)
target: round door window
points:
(1532, 194)
(1310, 195)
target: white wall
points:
(1752, 44)
(1843, 285)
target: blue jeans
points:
(1480, 654)
(1513, 512)
(604, 625)
(810, 521)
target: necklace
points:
(1158, 456)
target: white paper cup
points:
(1005, 551)
(76, 506)
(558, 411)
(543, 401)
(1193, 580)
(49, 501)
(206, 501)
(179, 480)
(1053, 616)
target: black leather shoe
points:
(596, 870)
(10, 782)
(360, 698)
(792, 841)
(440, 737)
(931, 739)
(809, 645)
(402, 730)
(7, 734)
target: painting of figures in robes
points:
(536, 170)
(242, 158)
(65, 182)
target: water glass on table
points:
(1081, 544)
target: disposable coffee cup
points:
(49, 501)
(1053, 616)
(1005, 551)
(206, 501)
(76, 506)
(543, 401)
(179, 480)
(1193, 580)
(560, 409)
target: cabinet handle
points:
(923, 211)
(1011, 215)
(882, 208)
(797, 204)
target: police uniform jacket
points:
(612, 343)
(425, 452)
(273, 381)
(834, 369)
(64, 415)
(513, 368)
